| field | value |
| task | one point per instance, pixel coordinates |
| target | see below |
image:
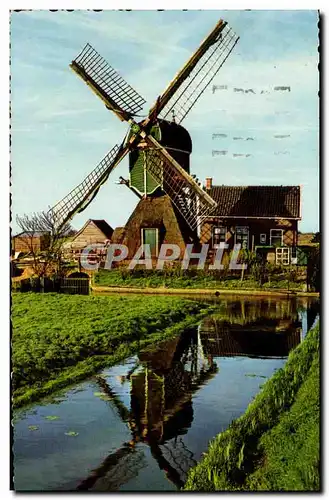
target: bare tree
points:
(43, 224)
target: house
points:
(260, 218)
(30, 241)
(94, 231)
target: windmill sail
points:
(197, 74)
(80, 197)
(190, 199)
(118, 468)
(114, 91)
(200, 77)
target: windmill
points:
(158, 146)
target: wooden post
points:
(242, 271)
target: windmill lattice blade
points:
(201, 75)
(117, 94)
(184, 193)
(80, 197)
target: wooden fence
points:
(75, 286)
(60, 285)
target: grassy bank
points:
(189, 279)
(60, 339)
(274, 446)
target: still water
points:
(140, 425)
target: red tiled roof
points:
(256, 201)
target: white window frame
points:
(213, 233)
(262, 236)
(156, 238)
(293, 255)
(276, 236)
(248, 233)
(282, 256)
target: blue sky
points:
(61, 130)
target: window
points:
(262, 238)
(219, 235)
(150, 237)
(242, 236)
(282, 255)
(293, 255)
(276, 237)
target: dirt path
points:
(202, 291)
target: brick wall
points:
(256, 228)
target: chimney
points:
(208, 183)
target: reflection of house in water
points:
(220, 338)
(246, 328)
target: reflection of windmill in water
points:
(160, 413)
(159, 147)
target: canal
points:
(140, 425)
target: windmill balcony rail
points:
(114, 253)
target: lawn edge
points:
(90, 366)
(202, 291)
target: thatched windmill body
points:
(171, 203)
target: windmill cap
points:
(175, 136)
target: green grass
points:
(194, 279)
(60, 339)
(274, 446)
(291, 449)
